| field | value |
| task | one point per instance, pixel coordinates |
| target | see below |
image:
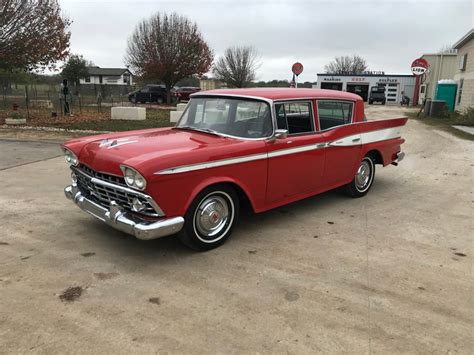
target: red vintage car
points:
(269, 147)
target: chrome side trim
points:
(352, 140)
(212, 164)
(304, 148)
(118, 219)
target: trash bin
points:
(437, 108)
(427, 107)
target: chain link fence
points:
(49, 100)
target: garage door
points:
(392, 92)
(360, 89)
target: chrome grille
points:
(101, 176)
(103, 194)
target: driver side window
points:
(296, 117)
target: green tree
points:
(76, 69)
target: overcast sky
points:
(389, 34)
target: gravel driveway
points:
(391, 272)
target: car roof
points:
(283, 93)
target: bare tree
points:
(33, 34)
(346, 65)
(168, 48)
(237, 66)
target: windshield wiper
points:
(205, 130)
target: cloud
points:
(389, 34)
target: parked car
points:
(377, 94)
(269, 147)
(182, 94)
(149, 93)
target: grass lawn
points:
(446, 123)
(91, 119)
(154, 118)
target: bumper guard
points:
(117, 218)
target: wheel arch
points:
(245, 198)
(376, 156)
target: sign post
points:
(418, 67)
(297, 69)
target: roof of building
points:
(467, 37)
(107, 71)
(366, 74)
(444, 54)
(282, 93)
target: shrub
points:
(16, 116)
(466, 117)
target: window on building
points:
(100, 79)
(296, 117)
(462, 62)
(461, 84)
(126, 79)
(88, 79)
(334, 113)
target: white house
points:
(109, 76)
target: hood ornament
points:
(113, 143)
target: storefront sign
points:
(358, 78)
(419, 66)
(388, 80)
(332, 78)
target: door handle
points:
(356, 139)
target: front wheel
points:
(210, 218)
(363, 179)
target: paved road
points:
(15, 153)
(391, 272)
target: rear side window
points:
(296, 117)
(334, 113)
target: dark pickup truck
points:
(377, 94)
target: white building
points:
(109, 76)
(361, 84)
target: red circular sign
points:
(419, 66)
(297, 68)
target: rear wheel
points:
(363, 179)
(210, 218)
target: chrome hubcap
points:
(362, 177)
(211, 216)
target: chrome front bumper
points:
(400, 156)
(117, 218)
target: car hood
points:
(150, 151)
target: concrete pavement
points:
(391, 272)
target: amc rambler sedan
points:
(265, 147)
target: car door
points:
(343, 141)
(295, 163)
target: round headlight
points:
(133, 178)
(70, 157)
(129, 176)
(139, 182)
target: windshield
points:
(230, 116)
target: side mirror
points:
(281, 133)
